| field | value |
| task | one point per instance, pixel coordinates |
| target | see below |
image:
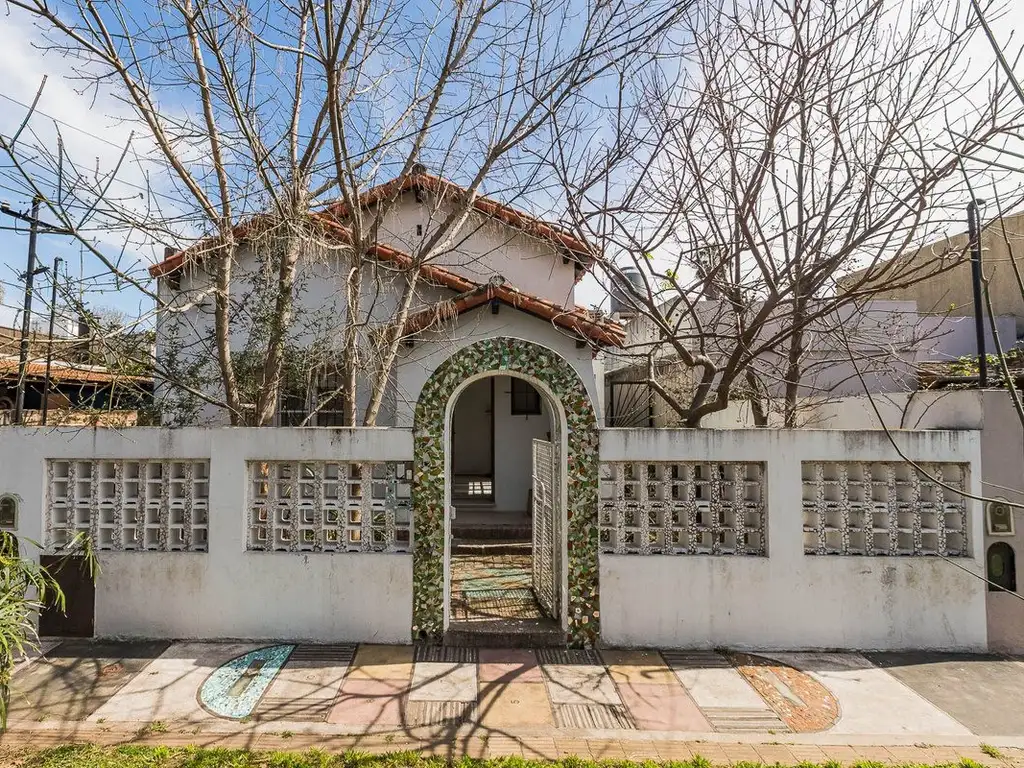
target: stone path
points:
(544, 702)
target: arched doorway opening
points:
(574, 443)
(505, 543)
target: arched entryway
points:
(576, 427)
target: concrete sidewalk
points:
(728, 707)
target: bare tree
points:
(807, 142)
(253, 118)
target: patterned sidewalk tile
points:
(658, 707)
(438, 681)
(638, 667)
(577, 684)
(382, 662)
(509, 666)
(720, 688)
(369, 703)
(514, 705)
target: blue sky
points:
(95, 128)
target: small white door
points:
(545, 528)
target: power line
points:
(61, 122)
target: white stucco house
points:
(493, 418)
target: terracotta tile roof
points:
(579, 249)
(576, 248)
(197, 251)
(61, 371)
(578, 319)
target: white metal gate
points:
(545, 528)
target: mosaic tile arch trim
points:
(504, 355)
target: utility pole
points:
(30, 273)
(974, 235)
(26, 316)
(49, 339)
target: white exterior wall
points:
(472, 430)
(227, 592)
(790, 600)
(513, 441)
(485, 247)
(187, 338)
(512, 438)
(417, 363)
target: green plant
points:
(991, 751)
(26, 588)
(157, 726)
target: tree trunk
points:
(222, 331)
(392, 341)
(350, 337)
(757, 408)
(794, 369)
(270, 381)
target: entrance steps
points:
(505, 633)
(491, 547)
(474, 523)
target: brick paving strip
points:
(444, 744)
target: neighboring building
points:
(891, 340)
(78, 394)
(949, 293)
(88, 383)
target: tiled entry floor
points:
(374, 688)
(492, 587)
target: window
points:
(330, 406)
(525, 399)
(292, 408)
(8, 512)
(1002, 570)
(322, 398)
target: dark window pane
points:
(525, 399)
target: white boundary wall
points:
(789, 600)
(227, 592)
(786, 600)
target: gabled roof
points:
(580, 320)
(578, 249)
